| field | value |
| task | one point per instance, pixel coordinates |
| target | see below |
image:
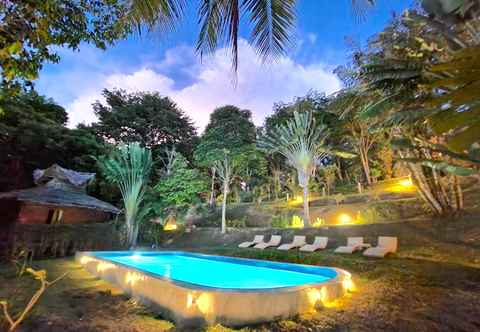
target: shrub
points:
(237, 223)
(297, 222)
(318, 222)
(280, 221)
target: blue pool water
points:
(221, 272)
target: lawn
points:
(421, 289)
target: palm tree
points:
(302, 142)
(129, 168)
(226, 170)
(271, 22)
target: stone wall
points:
(261, 215)
(410, 233)
(50, 241)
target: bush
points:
(297, 222)
(237, 223)
(280, 221)
(318, 222)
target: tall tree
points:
(129, 168)
(301, 141)
(226, 168)
(232, 129)
(359, 132)
(148, 118)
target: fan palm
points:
(271, 22)
(302, 142)
(129, 167)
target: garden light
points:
(345, 219)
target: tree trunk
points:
(458, 194)
(365, 165)
(211, 201)
(134, 236)
(306, 209)
(224, 208)
(339, 169)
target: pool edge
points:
(193, 305)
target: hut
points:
(59, 198)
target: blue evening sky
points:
(167, 64)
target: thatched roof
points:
(46, 195)
(61, 178)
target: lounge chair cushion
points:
(256, 239)
(320, 242)
(297, 242)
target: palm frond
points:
(163, 14)
(273, 22)
(219, 22)
(442, 166)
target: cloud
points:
(209, 84)
(312, 38)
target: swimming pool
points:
(198, 289)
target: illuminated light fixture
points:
(136, 256)
(348, 284)
(406, 182)
(345, 219)
(85, 260)
(314, 295)
(169, 227)
(104, 266)
(203, 302)
(132, 278)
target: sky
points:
(168, 64)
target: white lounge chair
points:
(298, 241)
(320, 242)
(256, 239)
(353, 244)
(273, 242)
(386, 245)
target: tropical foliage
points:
(302, 143)
(32, 32)
(152, 120)
(177, 189)
(129, 168)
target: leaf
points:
(443, 166)
(402, 143)
(15, 48)
(273, 21)
(377, 107)
(463, 140)
(446, 120)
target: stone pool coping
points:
(190, 304)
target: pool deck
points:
(194, 305)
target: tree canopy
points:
(153, 120)
(33, 135)
(229, 128)
(31, 29)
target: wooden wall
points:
(38, 214)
